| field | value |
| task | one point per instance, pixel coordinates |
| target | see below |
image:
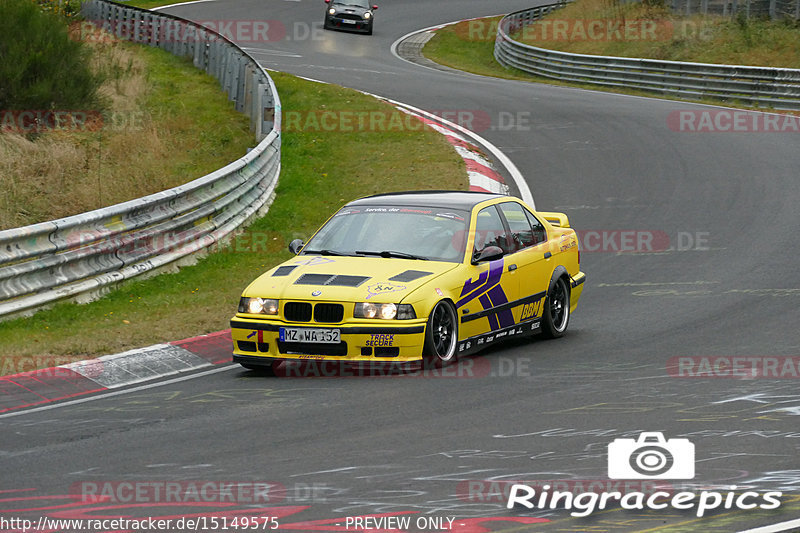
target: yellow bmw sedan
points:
(413, 277)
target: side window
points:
(521, 233)
(489, 230)
(539, 234)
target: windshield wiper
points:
(326, 252)
(389, 253)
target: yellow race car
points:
(413, 277)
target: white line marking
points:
(119, 392)
(775, 528)
(267, 51)
(180, 4)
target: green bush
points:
(41, 67)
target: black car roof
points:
(448, 199)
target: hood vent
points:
(410, 275)
(283, 271)
(331, 280)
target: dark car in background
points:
(353, 15)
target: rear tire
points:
(441, 335)
(556, 310)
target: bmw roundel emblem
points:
(316, 293)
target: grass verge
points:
(323, 168)
(469, 46)
(166, 123)
(651, 30)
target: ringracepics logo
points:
(650, 456)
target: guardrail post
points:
(266, 110)
(241, 76)
(772, 14)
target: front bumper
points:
(258, 340)
(337, 22)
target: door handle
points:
(512, 267)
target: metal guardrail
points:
(81, 256)
(778, 88)
(774, 9)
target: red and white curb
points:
(73, 380)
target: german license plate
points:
(319, 336)
(347, 21)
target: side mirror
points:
(374, 7)
(327, 1)
(489, 253)
(296, 245)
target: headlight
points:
(331, 11)
(367, 15)
(258, 306)
(384, 311)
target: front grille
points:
(350, 16)
(297, 311)
(310, 348)
(328, 313)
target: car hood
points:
(346, 279)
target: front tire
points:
(556, 310)
(441, 334)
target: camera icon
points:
(651, 457)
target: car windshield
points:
(405, 232)
(354, 3)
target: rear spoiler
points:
(556, 219)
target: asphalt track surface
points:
(724, 283)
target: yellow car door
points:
(483, 303)
(530, 259)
